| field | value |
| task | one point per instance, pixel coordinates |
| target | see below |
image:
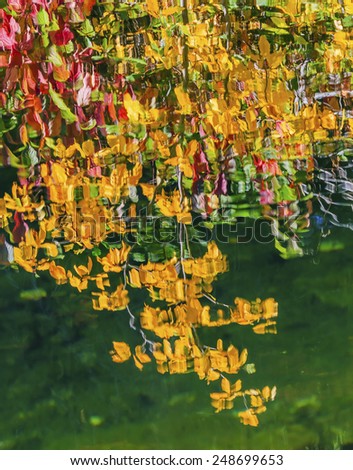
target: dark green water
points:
(61, 390)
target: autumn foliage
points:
(117, 114)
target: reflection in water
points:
(180, 284)
(137, 130)
(180, 351)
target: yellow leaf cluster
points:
(182, 159)
(248, 313)
(121, 352)
(174, 206)
(257, 401)
(115, 259)
(207, 267)
(117, 300)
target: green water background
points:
(60, 389)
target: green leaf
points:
(45, 39)
(139, 257)
(60, 103)
(14, 161)
(287, 193)
(96, 251)
(33, 294)
(347, 22)
(112, 128)
(86, 29)
(54, 57)
(43, 18)
(93, 191)
(300, 40)
(279, 22)
(69, 47)
(90, 124)
(32, 154)
(53, 25)
(132, 60)
(278, 31)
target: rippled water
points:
(176, 225)
(61, 390)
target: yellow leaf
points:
(172, 161)
(58, 273)
(148, 190)
(159, 356)
(74, 281)
(114, 139)
(51, 249)
(266, 393)
(260, 409)
(24, 134)
(248, 417)
(135, 278)
(255, 401)
(275, 59)
(121, 352)
(191, 148)
(328, 119)
(153, 8)
(269, 308)
(264, 47)
(212, 375)
(243, 356)
(167, 349)
(58, 173)
(225, 385)
(250, 116)
(137, 363)
(171, 11)
(134, 109)
(263, 328)
(18, 258)
(141, 355)
(218, 395)
(236, 387)
(88, 148)
(183, 100)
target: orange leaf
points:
(87, 6)
(58, 273)
(148, 190)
